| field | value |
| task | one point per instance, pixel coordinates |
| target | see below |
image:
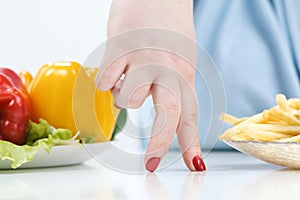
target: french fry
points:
(294, 103)
(291, 139)
(240, 137)
(241, 120)
(281, 123)
(265, 116)
(288, 130)
(231, 119)
(296, 113)
(238, 128)
(264, 136)
(276, 113)
(228, 118)
(282, 102)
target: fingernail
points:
(199, 164)
(152, 164)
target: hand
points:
(167, 76)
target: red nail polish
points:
(199, 164)
(152, 164)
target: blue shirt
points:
(255, 45)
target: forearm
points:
(174, 15)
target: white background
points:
(35, 32)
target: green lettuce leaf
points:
(39, 136)
(37, 131)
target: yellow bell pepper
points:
(64, 94)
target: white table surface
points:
(229, 175)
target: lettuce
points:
(39, 136)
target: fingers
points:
(109, 74)
(187, 132)
(134, 89)
(175, 103)
(131, 98)
(167, 108)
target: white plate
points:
(62, 156)
(285, 154)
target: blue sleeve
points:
(256, 47)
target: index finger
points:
(167, 108)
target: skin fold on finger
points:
(108, 76)
(187, 132)
(137, 98)
(132, 101)
(167, 108)
(134, 89)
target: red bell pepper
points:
(15, 108)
